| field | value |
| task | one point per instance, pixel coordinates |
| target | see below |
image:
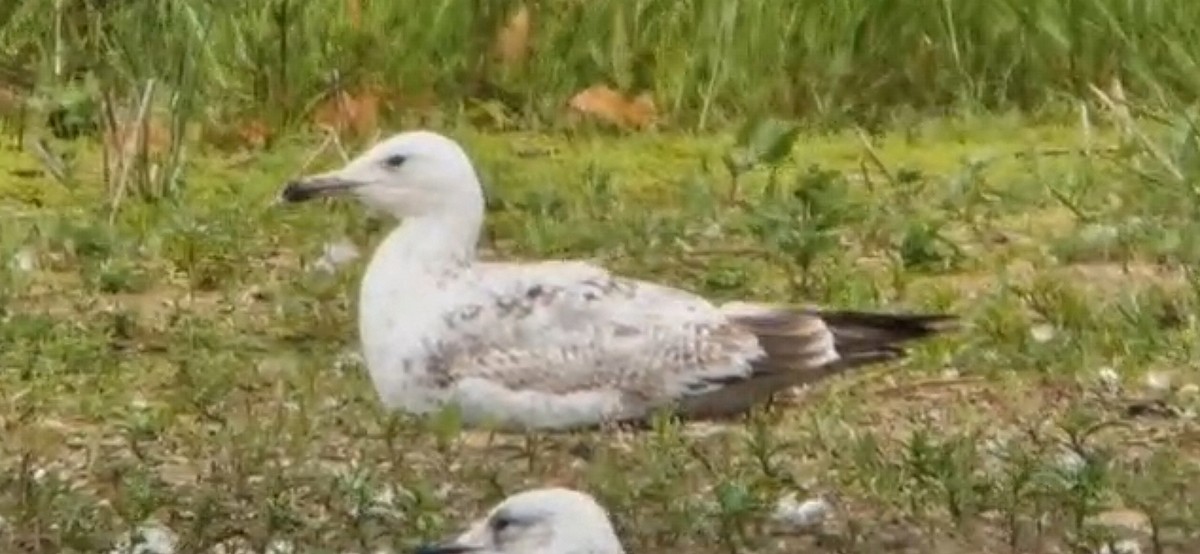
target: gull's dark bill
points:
(316, 187)
(445, 548)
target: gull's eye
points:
(504, 522)
(394, 161)
(501, 523)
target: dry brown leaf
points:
(126, 137)
(228, 133)
(642, 112)
(254, 133)
(512, 41)
(607, 105)
(354, 113)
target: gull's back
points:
(556, 345)
(559, 345)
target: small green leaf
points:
(761, 141)
(734, 498)
(773, 141)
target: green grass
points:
(184, 364)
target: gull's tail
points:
(809, 344)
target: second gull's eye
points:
(394, 161)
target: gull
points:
(558, 345)
(539, 521)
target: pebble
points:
(1109, 378)
(1042, 333)
(800, 516)
(25, 260)
(1070, 461)
(151, 539)
(1158, 382)
(1127, 546)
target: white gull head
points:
(421, 177)
(412, 174)
(538, 521)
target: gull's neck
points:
(436, 239)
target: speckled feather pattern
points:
(554, 344)
(543, 329)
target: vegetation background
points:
(177, 353)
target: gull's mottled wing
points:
(563, 344)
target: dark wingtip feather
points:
(872, 331)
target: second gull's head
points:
(410, 174)
(539, 521)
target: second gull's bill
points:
(560, 344)
(538, 521)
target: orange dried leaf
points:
(233, 133)
(127, 136)
(254, 133)
(642, 112)
(344, 112)
(607, 105)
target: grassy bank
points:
(189, 364)
(706, 62)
